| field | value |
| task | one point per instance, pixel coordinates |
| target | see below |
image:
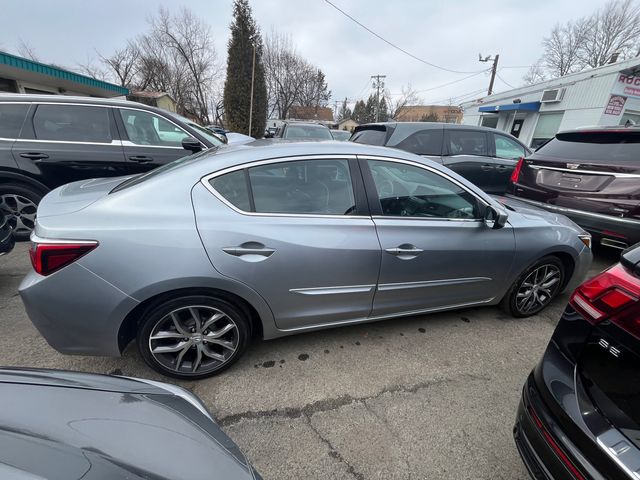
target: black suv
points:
(47, 141)
(482, 155)
(579, 417)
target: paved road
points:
(431, 397)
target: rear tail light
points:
(614, 296)
(46, 258)
(515, 175)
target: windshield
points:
(201, 130)
(307, 132)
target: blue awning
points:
(525, 107)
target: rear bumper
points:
(76, 311)
(599, 225)
(538, 441)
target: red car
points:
(592, 176)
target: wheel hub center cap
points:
(196, 338)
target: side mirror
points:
(191, 144)
(494, 219)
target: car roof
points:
(428, 125)
(19, 97)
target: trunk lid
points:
(76, 196)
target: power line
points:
(504, 81)
(393, 44)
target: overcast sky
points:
(443, 32)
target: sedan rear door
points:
(295, 230)
(467, 152)
(437, 251)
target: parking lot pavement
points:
(431, 397)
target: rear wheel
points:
(19, 203)
(535, 288)
(193, 336)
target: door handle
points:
(141, 158)
(241, 251)
(486, 167)
(501, 168)
(34, 155)
(404, 250)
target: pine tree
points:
(360, 112)
(245, 36)
(371, 108)
(345, 112)
(383, 114)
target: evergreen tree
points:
(383, 115)
(245, 36)
(371, 108)
(345, 112)
(360, 112)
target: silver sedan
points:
(195, 258)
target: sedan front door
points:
(437, 251)
(297, 232)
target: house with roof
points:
(154, 99)
(436, 113)
(21, 75)
(319, 114)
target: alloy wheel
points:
(20, 213)
(538, 288)
(194, 340)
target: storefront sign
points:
(627, 85)
(615, 105)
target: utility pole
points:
(494, 69)
(378, 83)
(335, 110)
(253, 76)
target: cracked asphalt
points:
(430, 397)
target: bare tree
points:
(562, 48)
(26, 50)
(291, 80)
(535, 74)
(408, 97)
(614, 29)
(123, 63)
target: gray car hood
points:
(77, 428)
(530, 212)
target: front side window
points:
(467, 142)
(508, 148)
(320, 187)
(72, 123)
(410, 191)
(146, 128)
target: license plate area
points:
(559, 180)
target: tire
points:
(172, 343)
(523, 300)
(19, 203)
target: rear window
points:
(605, 147)
(11, 118)
(423, 142)
(370, 137)
(72, 123)
(307, 132)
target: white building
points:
(607, 95)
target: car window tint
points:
(307, 132)
(146, 128)
(370, 137)
(467, 142)
(508, 148)
(409, 191)
(11, 118)
(424, 142)
(72, 123)
(310, 186)
(233, 187)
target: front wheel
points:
(535, 288)
(193, 337)
(19, 203)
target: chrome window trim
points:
(207, 178)
(555, 208)
(428, 219)
(128, 143)
(482, 201)
(588, 172)
(70, 142)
